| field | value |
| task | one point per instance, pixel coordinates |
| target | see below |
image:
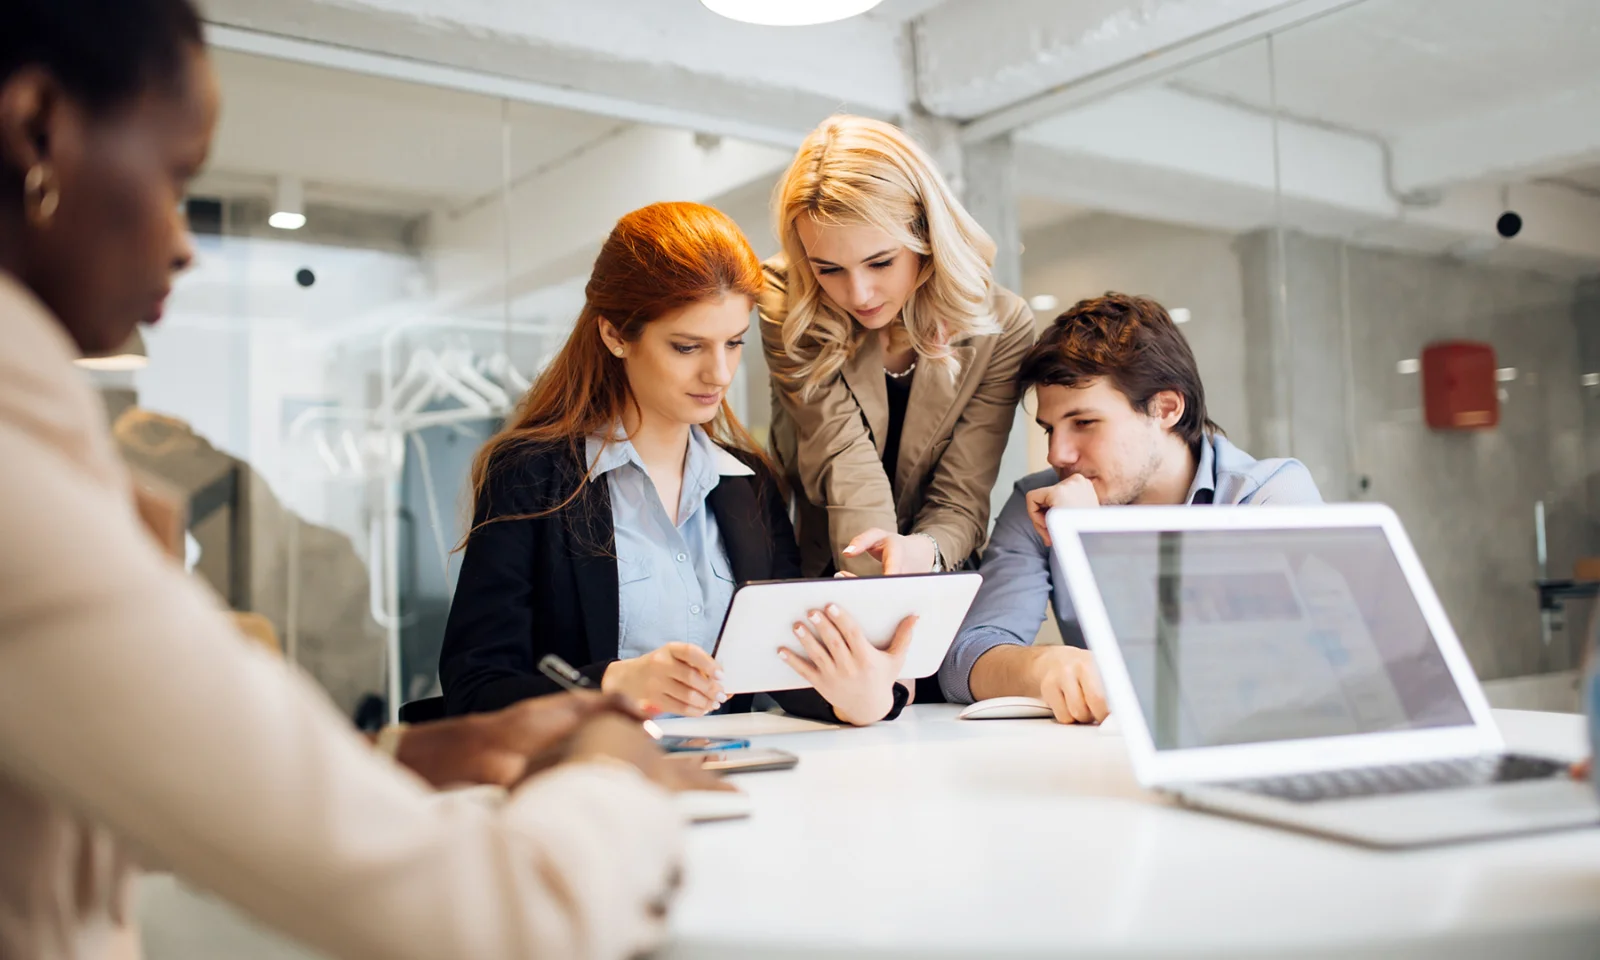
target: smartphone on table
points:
(750, 761)
(673, 744)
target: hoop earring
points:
(41, 196)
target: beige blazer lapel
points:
(929, 417)
(863, 373)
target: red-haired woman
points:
(617, 512)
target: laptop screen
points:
(1245, 636)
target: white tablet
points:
(762, 616)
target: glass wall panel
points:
(1160, 191)
(1320, 207)
(1439, 196)
(1167, 191)
(383, 268)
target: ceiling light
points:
(289, 205)
(1044, 302)
(1180, 315)
(130, 356)
(789, 13)
(1408, 366)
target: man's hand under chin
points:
(1075, 492)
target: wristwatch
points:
(938, 558)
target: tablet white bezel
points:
(763, 615)
(1155, 767)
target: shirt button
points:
(695, 609)
(682, 557)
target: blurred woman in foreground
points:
(132, 717)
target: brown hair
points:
(1133, 343)
(657, 259)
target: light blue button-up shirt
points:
(1021, 575)
(674, 583)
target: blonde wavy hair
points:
(858, 171)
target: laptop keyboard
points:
(1401, 778)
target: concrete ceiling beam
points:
(642, 60)
(1162, 154)
(558, 219)
(1000, 67)
(1518, 142)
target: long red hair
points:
(657, 259)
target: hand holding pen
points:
(612, 737)
(568, 678)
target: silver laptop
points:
(1293, 665)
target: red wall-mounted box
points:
(1459, 389)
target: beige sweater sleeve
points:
(126, 696)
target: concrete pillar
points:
(1586, 317)
(989, 187)
(1296, 356)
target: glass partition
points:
(1318, 208)
(383, 268)
(1326, 210)
(1438, 226)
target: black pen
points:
(562, 673)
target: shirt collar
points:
(704, 455)
(1204, 487)
(604, 457)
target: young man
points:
(1120, 400)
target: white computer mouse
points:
(1007, 708)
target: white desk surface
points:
(930, 837)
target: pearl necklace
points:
(908, 371)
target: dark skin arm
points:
(508, 746)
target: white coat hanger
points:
(442, 384)
(461, 365)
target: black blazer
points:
(548, 584)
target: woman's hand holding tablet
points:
(836, 658)
(885, 629)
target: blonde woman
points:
(893, 355)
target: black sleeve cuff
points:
(811, 705)
(902, 696)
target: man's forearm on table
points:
(1005, 670)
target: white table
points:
(930, 837)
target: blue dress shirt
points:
(1021, 575)
(674, 583)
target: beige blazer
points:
(831, 444)
(135, 720)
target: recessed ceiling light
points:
(1180, 315)
(789, 13)
(1044, 302)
